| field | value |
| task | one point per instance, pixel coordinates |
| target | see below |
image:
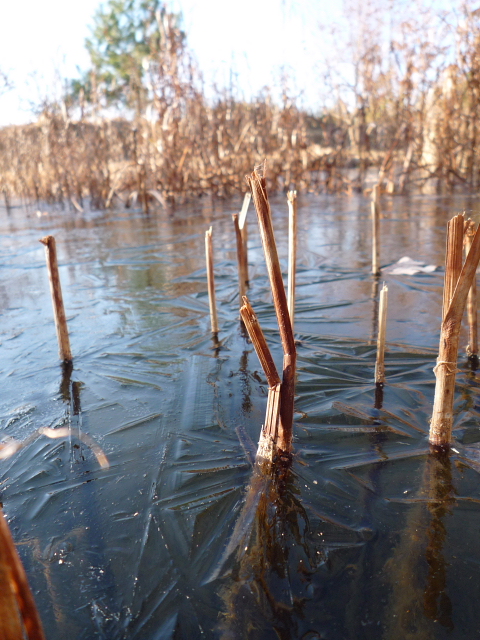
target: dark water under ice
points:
(369, 536)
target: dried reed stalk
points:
(285, 432)
(241, 260)
(382, 330)
(211, 280)
(57, 299)
(446, 368)
(375, 206)
(15, 594)
(472, 347)
(292, 253)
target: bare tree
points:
(5, 83)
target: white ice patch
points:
(408, 267)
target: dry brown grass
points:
(196, 150)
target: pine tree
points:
(125, 39)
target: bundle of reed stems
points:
(458, 282)
(277, 433)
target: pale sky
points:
(254, 37)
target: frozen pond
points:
(368, 537)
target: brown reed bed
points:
(197, 149)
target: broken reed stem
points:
(292, 253)
(258, 186)
(211, 280)
(445, 371)
(269, 433)
(472, 347)
(241, 259)
(375, 206)
(258, 339)
(17, 583)
(272, 415)
(382, 331)
(57, 299)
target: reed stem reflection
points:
(436, 603)
(418, 568)
(272, 558)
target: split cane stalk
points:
(455, 298)
(453, 260)
(57, 299)
(266, 445)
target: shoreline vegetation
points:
(138, 127)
